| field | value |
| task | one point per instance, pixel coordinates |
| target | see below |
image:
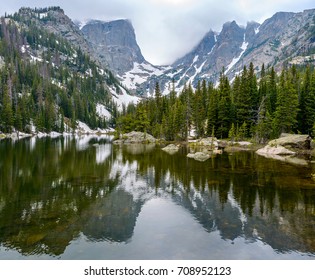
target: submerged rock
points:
(171, 149)
(274, 150)
(292, 159)
(199, 156)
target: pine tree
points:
(253, 91)
(198, 111)
(7, 118)
(264, 123)
(306, 114)
(18, 124)
(224, 107)
(262, 91)
(232, 133)
(243, 100)
(287, 103)
(187, 99)
(272, 91)
(212, 110)
(141, 120)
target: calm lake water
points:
(84, 198)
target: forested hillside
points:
(46, 82)
(249, 107)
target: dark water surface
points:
(84, 198)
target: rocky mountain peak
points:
(231, 31)
(114, 43)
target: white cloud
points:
(167, 29)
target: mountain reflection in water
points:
(84, 198)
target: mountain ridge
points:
(284, 38)
(114, 45)
(107, 53)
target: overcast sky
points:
(168, 29)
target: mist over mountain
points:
(285, 38)
(107, 54)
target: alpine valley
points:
(56, 71)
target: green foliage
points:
(264, 129)
(65, 84)
(232, 133)
(62, 84)
(7, 118)
(246, 109)
(287, 103)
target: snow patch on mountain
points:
(43, 15)
(198, 71)
(123, 98)
(236, 59)
(102, 111)
(140, 73)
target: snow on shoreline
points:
(82, 129)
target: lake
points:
(85, 198)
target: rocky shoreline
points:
(291, 148)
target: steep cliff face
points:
(114, 43)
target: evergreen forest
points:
(249, 107)
(47, 83)
(54, 89)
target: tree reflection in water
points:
(53, 191)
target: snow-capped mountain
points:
(54, 21)
(285, 38)
(114, 45)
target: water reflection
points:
(65, 193)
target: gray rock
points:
(279, 149)
(135, 137)
(171, 149)
(274, 150)
(210, 142)
(199, 156)
(292, 141)
(114, 43)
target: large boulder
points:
(135, 137)
(286, 148)
(296, 141)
